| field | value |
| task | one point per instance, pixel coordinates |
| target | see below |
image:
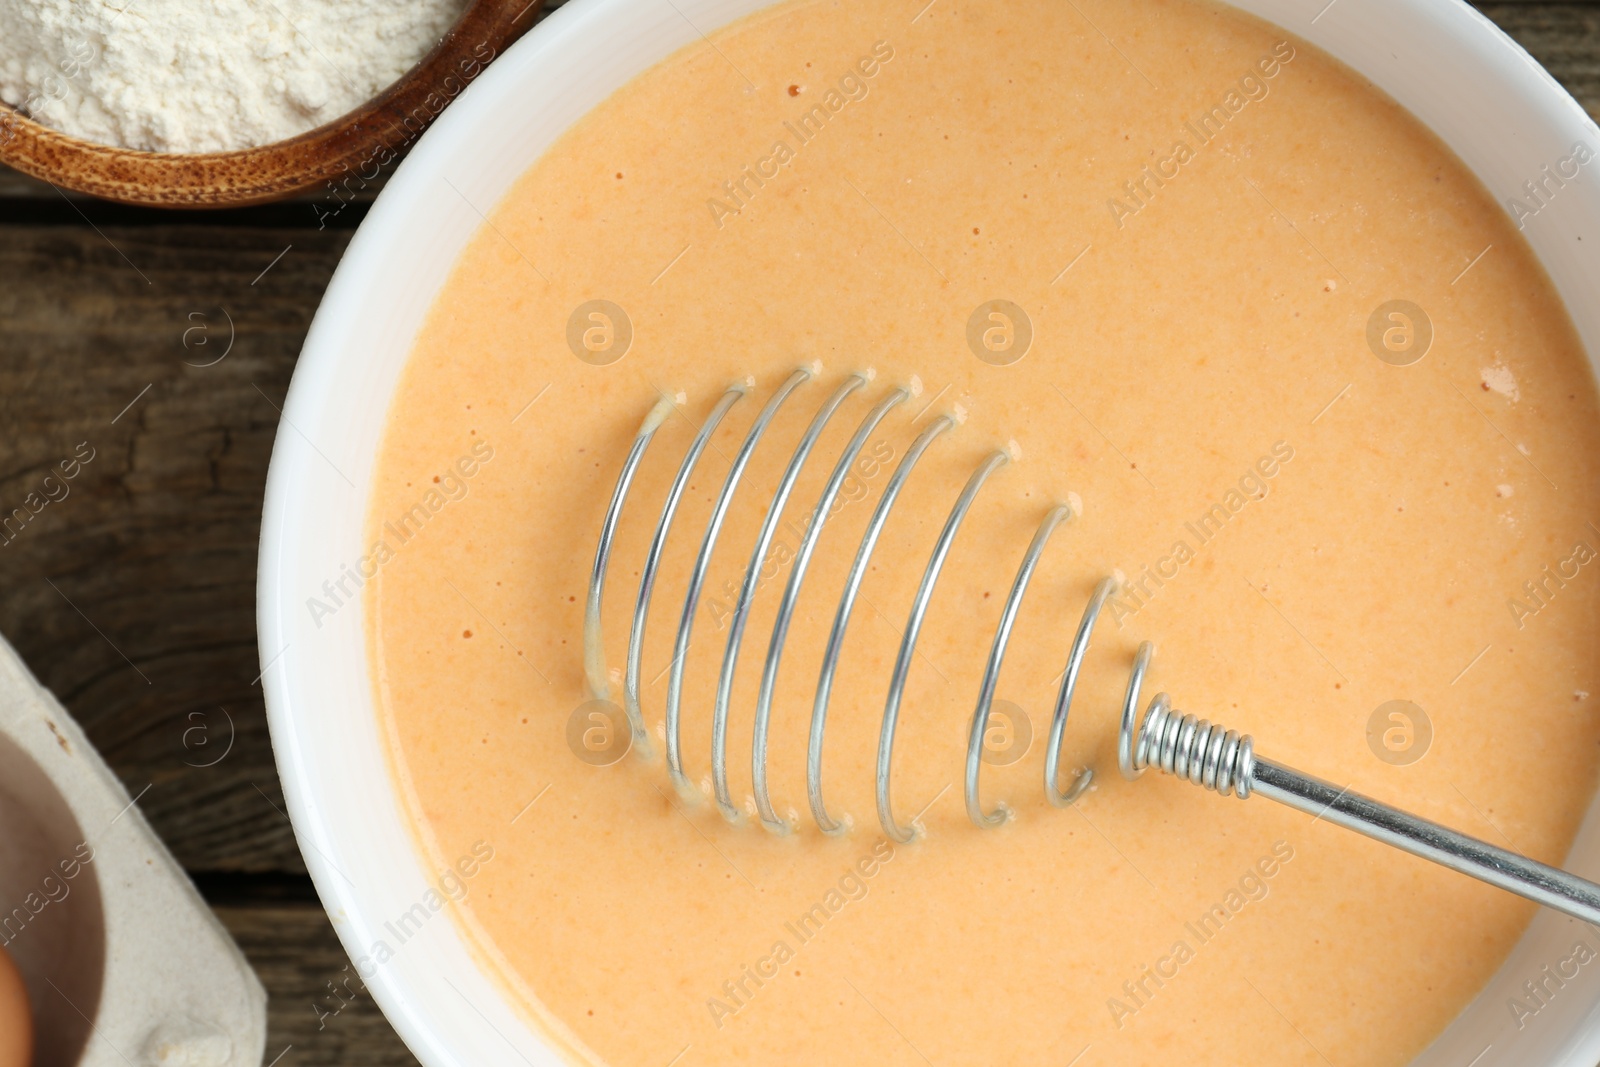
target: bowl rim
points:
(368, 137)
(1447, 40)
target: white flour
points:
(206, 75)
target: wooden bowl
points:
(345, 155)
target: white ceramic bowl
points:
(1497, 108)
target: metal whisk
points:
(739, 618)
(1194, 749)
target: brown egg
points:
(16, 1023)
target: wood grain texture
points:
(320, 1014)
(133, 596)
(1565, 38)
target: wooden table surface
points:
(166, 342)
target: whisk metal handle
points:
(1539, 882)
(1216, 758)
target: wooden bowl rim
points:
(246, 176)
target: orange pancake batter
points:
(1318, 501)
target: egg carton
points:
(125, 965)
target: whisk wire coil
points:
(647, 578)
(908, 641)
(1057, 796)
(786, 607)
(991, 671)
(939, 426)
(841, 618)
(741, 611)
